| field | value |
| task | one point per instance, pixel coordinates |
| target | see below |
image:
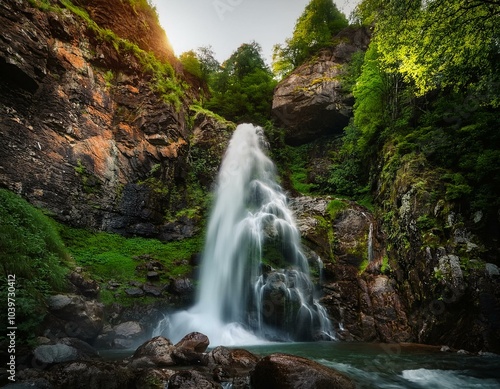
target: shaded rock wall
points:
(392, 285)
(83, 134)
(358, 293)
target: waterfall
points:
(370, 243)
(242, 298)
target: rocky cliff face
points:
(93, 128)
(431, 275)
(311, 101)
(358, 292)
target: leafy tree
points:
(191, 63)
(243, 89)
(209, 65)
(436, 43)
(314, 30)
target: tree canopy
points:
(314, 30)
(242, 89)
(438, 43)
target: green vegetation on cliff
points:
(164, 79)
(32, 251)
(314, 30)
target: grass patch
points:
(108, 256)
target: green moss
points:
(90, 182)
(297, 159)
(325, 228)
(334, 207)
(44, 5)
(198, 110)
(112, 256)
(109, 76)
(363, 266)
(386, 267)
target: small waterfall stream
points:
(254, 277)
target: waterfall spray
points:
(242, 299)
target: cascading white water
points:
(241, 298)
(370, 243)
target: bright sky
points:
(226, 24)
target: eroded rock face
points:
(83, 134)
(311, 101)
(363, 303)
(283, 371)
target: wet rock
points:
(231, 358)
(283, 371)
(84, 285)
(129, 329)
(73, 316)
(158, 350)
(55, 353)
(134, 292)
(85, 350)
(492, 270)
(191, 379)
(452, 275)
(180, 286)
(152, 290)
(152, 378)
(153, 276)
(194, 341)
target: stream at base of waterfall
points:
(254, 282)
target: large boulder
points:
(311, 101)
(189, 350)
(283, 371)
(74, 316)
(157, 350)
(67, 349)
(231, 358)
(194, 341)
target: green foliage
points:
(242, 90)
(370, 93)
(334, 207)
(145, 6)
(314, 30)
(438, 44)
(90, 183)
(191, 63)
(109, 76)
(198, 110)
(386, 267)
(111, 257)
(44, 5)
(31, 250)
